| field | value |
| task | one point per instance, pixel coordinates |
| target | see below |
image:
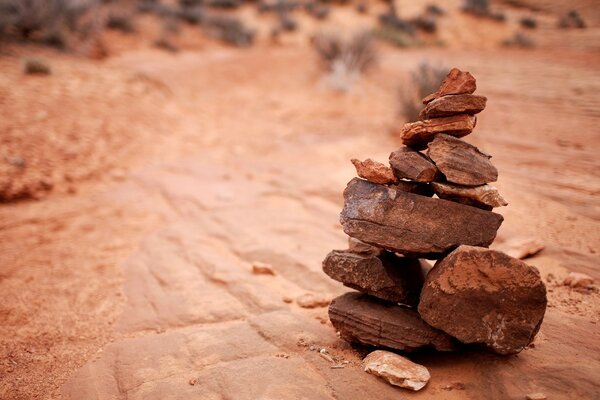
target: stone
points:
(397, 370)
(311, 300)
(360, 318)
(419, 188)
(456, 82)
(578, 280)
(461, 162)
(374, 171)
(484, 296)
(411, 224)
(536, 396)
(261, 268)
(485, 197)
(418, 134)
(446, 106)
(360, 247)
(521, 247)
(387, 276)
(410, 164)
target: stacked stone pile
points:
(472, 294)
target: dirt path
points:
(132, 288)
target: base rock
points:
(397, 370)
(363, 319)
(484, 296)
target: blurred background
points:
(151, 150)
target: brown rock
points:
(446, 106)
(456, 82)
(261, 268)
(461, 162)
(484, 296)
(397, 370)
(387, 276)
(411, 224)
(485, 196)
(410, 164)
(419, 188)
(418, 134)
(360, 318)
(374, 171)
(360, 247)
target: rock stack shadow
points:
(472, 297)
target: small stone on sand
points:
(261, 268)
(578, 280)
(536, 396)
(397, 370)
(311, 300)
(374, 171)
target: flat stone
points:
(536, 396)
(397, 370)
(410, 164)
(461, 162)
(261, 268)
(374, 171)
(521, 247)
(360, 318)
(578, 280)
(360, 247)
(411, 224)
(484, 296)
(485, 197)
(387, 276)
(418, 134)
(454, 104)
(313, 300)
(456, 82)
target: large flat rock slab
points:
(386, 276)
(360, 318)
(485, 296)
(418, 134)
(411, 224)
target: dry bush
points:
(572, 20)
(481, 8)
(120, 22)
(230, 30)
(426, 79)
(528, 22)
(36, 66)
(519, 40)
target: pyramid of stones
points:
(472, 294)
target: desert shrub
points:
(317, 10)
(120, 22)
(362, 8)
(36, 66)
(287, 23)
(391, 21)
(192, 15)
(425, 80)
(165, 44)
(571, 20)
(425, 23)
(519, 40)
(434, 9)
(481, 8)
(528, 22)
(226, 4)
(230, 30)
(356, 55)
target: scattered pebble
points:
(193, 381)
(536, 396)
(454, 386)
(310, 300)
(521, 248)
(287, 299)
(578, 280)
(397, 370)
(261, 268)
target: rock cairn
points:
(472, 294)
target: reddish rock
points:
(387, 276)
(456, 82)
(360, 318)
(461, 162)
(397, 370)
(360, 247)
(413, 225)
(410, 164)
(484, 296)
(419, 188)
(446, 106)
(485, 197)
(418, 134)
(374, 171)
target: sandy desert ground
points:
(171, 174)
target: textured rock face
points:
(363, 319)
(419, 188)
(411, 224)
(397, 370)
(374, 171)
(418, 134)
(461, 162)
(410, 164)
(360, 247)
(454, 104)
(456, 82)
(485, 196)
(388, 277)
(484, 296)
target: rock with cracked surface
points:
(419, 188)
(446, 106)
(461, 162)
(418, 134)
(397, 370)
(484, 296)
(374, 171)
(360, 318)
(411, 164)
(485, 197)
(413, 225)
(360, 247)
(456, 82)
(386, 276)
